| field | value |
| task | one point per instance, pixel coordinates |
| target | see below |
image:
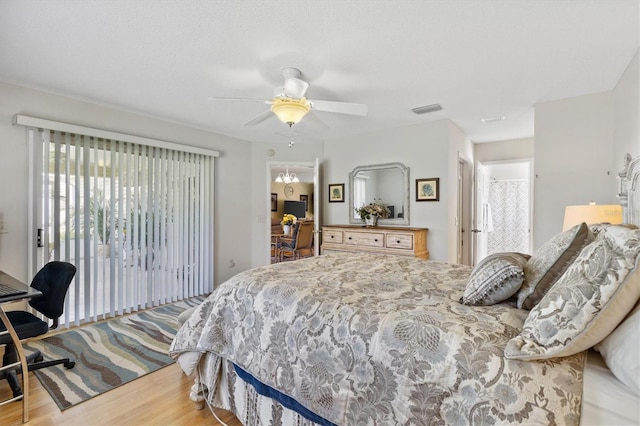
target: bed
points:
(382, 339)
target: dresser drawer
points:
(400, 241)
(332, 236)
(365, 239)
(380, 239)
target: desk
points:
(30, 293)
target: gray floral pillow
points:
(495, 278)
(550, 261)
(597, 228)
(587, 303)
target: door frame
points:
(478, 232)
(315, 165)
(464, 212)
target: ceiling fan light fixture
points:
(290, 111)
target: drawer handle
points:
(376, 240)
(331, 236)
(349, 237)
(397, 241)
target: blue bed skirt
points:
(284, 400)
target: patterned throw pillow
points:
(549, 262)
(597, 228)
(587, 303)
(495, 278)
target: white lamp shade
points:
(592, 213)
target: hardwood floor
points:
(159, 398)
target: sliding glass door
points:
(136, 220)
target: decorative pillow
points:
(588, 301)
(597, 228)
(621, 351)
(549, 262)
(495, 278)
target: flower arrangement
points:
(288, 219)
(376, 208)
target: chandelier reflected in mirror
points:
(286, 177)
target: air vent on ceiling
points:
(427, 108)
(492, 119)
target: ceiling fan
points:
(290, 105)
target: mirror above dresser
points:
(387, 183)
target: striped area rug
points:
(108, 354)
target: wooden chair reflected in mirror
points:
(300, 245)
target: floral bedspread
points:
(379, 339)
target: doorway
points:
(503, 208)
(293, 188)
(463, 217)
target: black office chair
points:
(52, 280)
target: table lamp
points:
(592, 213)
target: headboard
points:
(629, 190)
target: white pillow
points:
(621, 351)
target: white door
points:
(465, 183)
(479, 230)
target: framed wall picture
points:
(274, 202)
(336, 193)
(428, 189)
(305, 198)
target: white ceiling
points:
(478, 59)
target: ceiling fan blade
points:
(295, 88)
(339, 107)
(313, 119)
(212, 98)
(259, 118)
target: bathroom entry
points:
(503, 208)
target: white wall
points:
(425, 148)
(509, 171)
(580, 144)
(626, 113)
(513, 149)
(232, 171)
(573, 159)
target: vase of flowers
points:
(288, 220)
(370, 213)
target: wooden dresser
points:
(379, 239)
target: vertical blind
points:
(136, 220)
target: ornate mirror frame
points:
(403, 192)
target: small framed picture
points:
(428, 189)
(336, 193)
(305, 198)
(274, 202)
